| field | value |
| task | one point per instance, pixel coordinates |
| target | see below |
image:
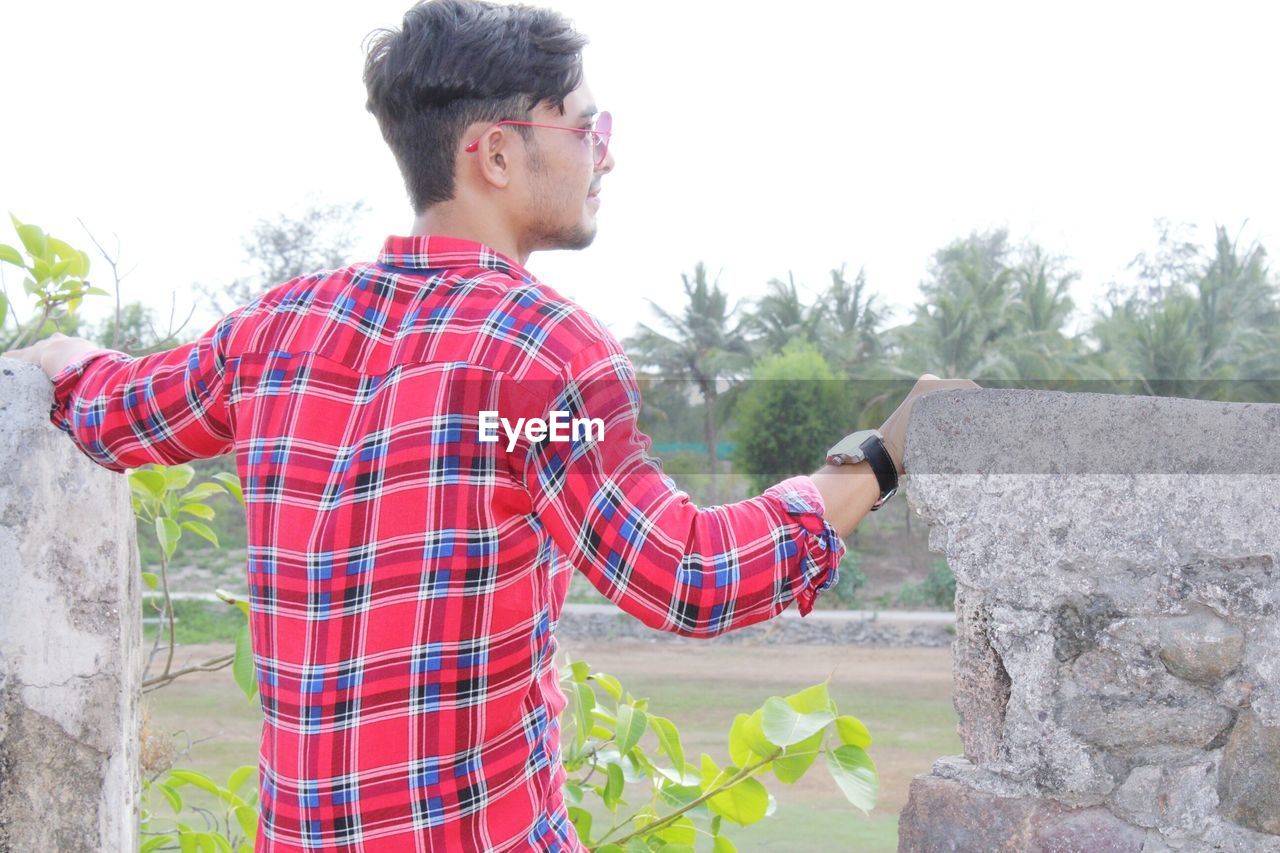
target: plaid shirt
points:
(405, 578)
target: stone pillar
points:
(70, 635)
(1117, 651)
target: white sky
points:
(759, 138)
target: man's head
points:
(447, 78)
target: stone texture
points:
(945, 815)
(981, 691)
(1125, 704)
(1200, 646)
(70, 635)
(1176, 798)
(1116, 556)
(1249, 786)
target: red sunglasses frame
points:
(604, 135)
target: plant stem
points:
(211, 665)
(669, 819)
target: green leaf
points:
(192, 777)
(797, 758)
(4, 307)
(739, 749)
(168, 532)
(853, 732)
(812, 699)
(59, 269)
(177, 476)
(783, 725)
(221, 844)
(242, 667)
(187, 840)
(151, 579)
(35, 241)
(202, 491)
(232, 600)
(753, 734)
(247, 817)
(855, 773)
(201, 530)
(723, 845)
(40, 269)
(580, 671)
(174, 798)
(96, 291)
(583, 700)
(581, 820)
(10, 255)
(232, 482)
(611, 685)
(631, 725)
(151, 480)
(668, 739)
(744, 803)
(199, 510)
(680, 833)
(613, 788)
(157, 842)
(80, 265)
(573, 790)
(239, 776)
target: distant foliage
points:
(791, 411)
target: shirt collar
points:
(436, 251)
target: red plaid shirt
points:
(405, 578)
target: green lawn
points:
(903, 695)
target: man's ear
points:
(494, 157)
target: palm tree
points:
(852, 338)
(703, 344)
(966, 311)
(780, 316)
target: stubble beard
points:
(552, 235)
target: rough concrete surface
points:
(1117, 621)
(70, 635)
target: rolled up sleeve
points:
(644, 544)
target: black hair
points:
(456, 62)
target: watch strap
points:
(882, 465)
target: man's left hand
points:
(53, 353)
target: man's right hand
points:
(895, 428)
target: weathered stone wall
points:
(1117, 651)
(70, 636)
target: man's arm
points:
(643, 543)
(124, 411)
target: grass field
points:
(903, 695)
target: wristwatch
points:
(868, 444)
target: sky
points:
(758, 139)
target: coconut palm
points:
(704, 344)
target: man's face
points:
(563, 178)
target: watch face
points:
(848, 450)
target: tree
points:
(851, 340)
(781, 316)
(704, 345)
(287, 246)
(794, 408)
(1193, 322)
(966, 310)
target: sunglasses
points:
(598, 134)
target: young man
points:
(406, 573)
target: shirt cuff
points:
(66, 380)
(821, 548)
